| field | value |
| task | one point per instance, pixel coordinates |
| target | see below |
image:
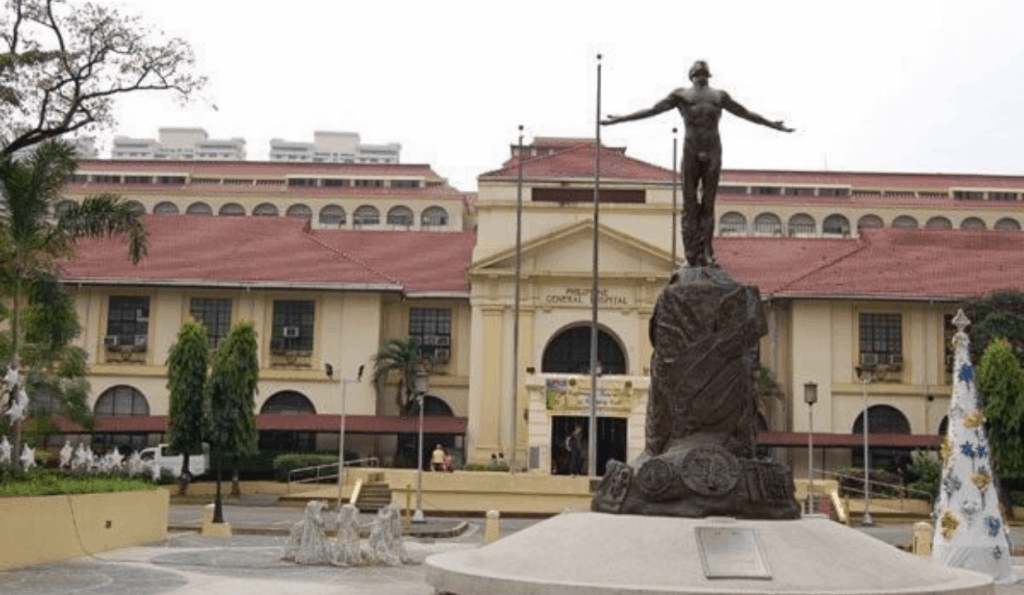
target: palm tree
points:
(34, 236)
(402, 356)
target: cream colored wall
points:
(48, 528)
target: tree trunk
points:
(184, 478)
(16, 344)
(236, 486)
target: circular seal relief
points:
(655, 478)
(710, 470)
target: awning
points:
(354, 424)
(826, 440)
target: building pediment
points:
(569, 251)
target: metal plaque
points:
(731, 552)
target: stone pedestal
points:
(212, 529)
(594, 553)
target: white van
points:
(198, 463)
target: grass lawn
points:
(51, 482)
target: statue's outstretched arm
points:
(662, 106)
(738, 110)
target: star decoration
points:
(968, 449)
(966, 373)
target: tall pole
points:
(810, 458)
(515, 323)
(341, 444)
(417, 516)
(594, 295)
(675, 183)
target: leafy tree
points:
(401, 356)
(187, 366)
(1001, 380)
(994, 315)
(33, 238)
(63, 64)
(232, 390)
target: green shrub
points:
(853, 484)
(925, 474)
(485, 468)
(51, 482)
(288, 462)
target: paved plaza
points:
(188, 564)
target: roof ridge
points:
(308, 233)
(861, 245)
(559, 152)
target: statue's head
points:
(700, 67)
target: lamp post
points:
(810, 397)
(867, 374)
(341, 429)
(421, 390)
(224, 425)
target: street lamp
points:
(224, 425)
(866, 372)
(341, 430)
(810, 397)
(422, 386)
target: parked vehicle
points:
(198, 463)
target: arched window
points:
(434, 217)
(972, 223)
(732, 222)
(801, 224)
(299, 211)
(569, 352)
(905, 222)
(288, 402)
(882, 419)
(432, 405)
(332, 215)
(265, 210)
(232, 209)
(1007, 224)
(121, 401)
(870, 222)
(63, 207)
(768, 223)
(366, 215)
(165, 208)
(400, 216)
(199, 208)
(836, 225)
(137, 207)
(939, 223)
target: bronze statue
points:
(699, 453)
(701, 108)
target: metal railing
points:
(319, 473)
(901, 490)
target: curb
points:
(455, 531)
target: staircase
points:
(373, 496)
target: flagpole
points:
(675, 183)
(594, 295)
(515, 324)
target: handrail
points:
(318, 477)
(899, 488)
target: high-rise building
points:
(336, 147)
(186, 144)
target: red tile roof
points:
(883, 263)
(577, 162)
(894, 181)
(279, 252)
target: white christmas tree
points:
(969, 530)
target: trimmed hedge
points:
(51, 482)
(287, 462)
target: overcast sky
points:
(929, 86)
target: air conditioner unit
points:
(291, 332)
(442, 340)
(110, 341)
(140, 342)
(141, 316)
(869, 359)
(896, 359)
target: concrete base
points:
(212, 529)
(587, 553)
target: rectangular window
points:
(138, 179)
(302, 181)
(1002, 196)
(215, 314)
(405, 183)
(881, 339)
(336, 183)
(105, 179)
(725, 189)
(293, 327)
(833, 191)
(587, 195)
(369, 183)
(968, 195)
(431, 329)
(127, 323)
(800, 191)
(767, 190)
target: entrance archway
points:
(288, 402)
(882, 419)
(568, 352)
